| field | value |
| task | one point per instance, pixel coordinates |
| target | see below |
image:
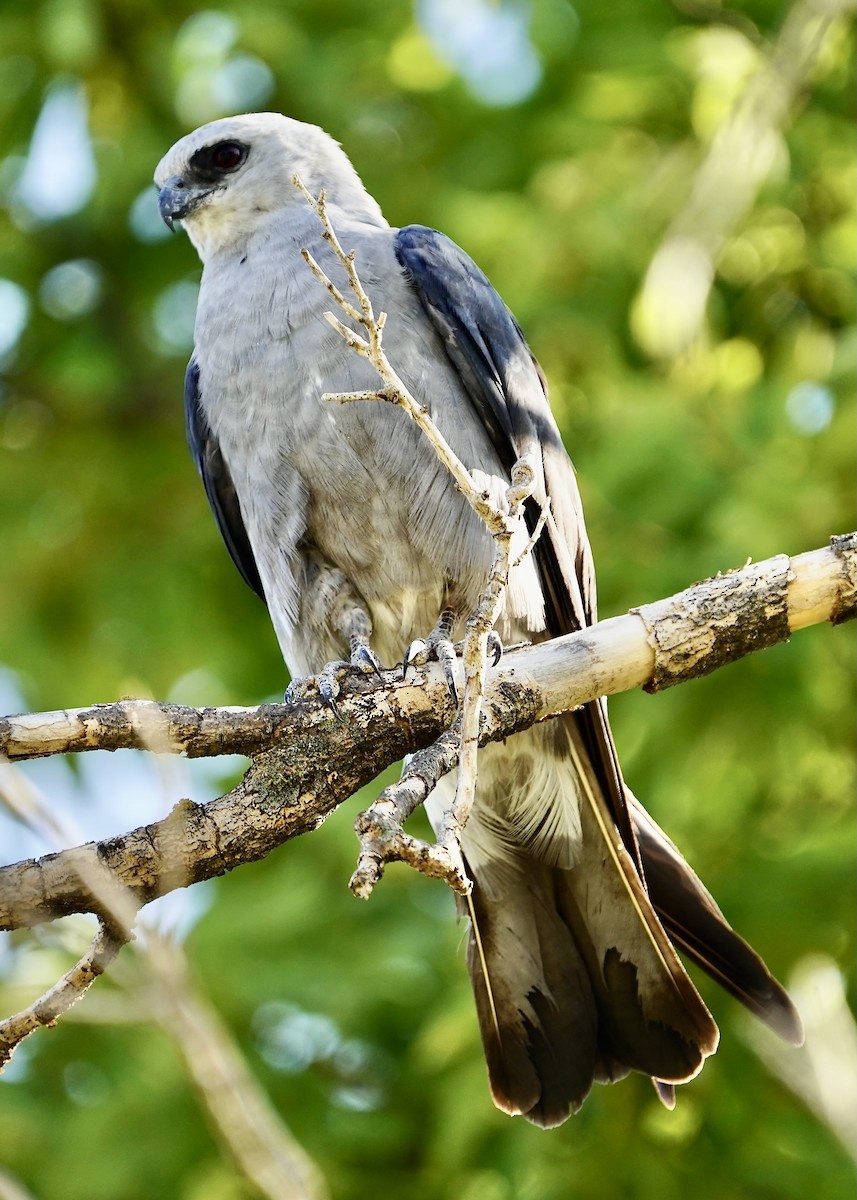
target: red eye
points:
(227, 156)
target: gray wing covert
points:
(508, 392)
(507, 389)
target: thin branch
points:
(501, 523)
(261, 1144)
(475, 658)
(820, 1072)
(59, 999)
(12, 1188)
(265, 1150)
(668, 318)
(369, 346)
(381, 827)
(146, 725)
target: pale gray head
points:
(226, 178)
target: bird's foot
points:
(327, 683)
(437, 647)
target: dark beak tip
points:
(166, 208)
(174, 202)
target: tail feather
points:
(536, 1010)
(553, 1021)
(572, 953)
(574, 977)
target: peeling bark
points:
(307, 761)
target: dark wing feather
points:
(696, 925)
(507, 388)
(217, 482)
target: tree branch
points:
(307, 762)
(249, 1128)
(263, 1147)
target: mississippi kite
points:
(343, 520)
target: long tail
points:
(573, 965)
(574, 977)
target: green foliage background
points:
(113, 580)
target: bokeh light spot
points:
(71, 289)
(810, 407)
(173, 316)
(14, 311)
(59, 173)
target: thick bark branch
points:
(308, 761)
(820, 585)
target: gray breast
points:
(357, 481)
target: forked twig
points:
(380, 827)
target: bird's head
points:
(226, 178)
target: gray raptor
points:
(343, 521)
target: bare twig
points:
(369, 346)
(67, 991)
(475, 657)
(381, 827)
(261, 1144)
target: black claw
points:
(495, 647)
(328, 696)
(444, 651)
(450, 680)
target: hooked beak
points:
(176, 200)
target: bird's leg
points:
(336, 607)
(351, 621)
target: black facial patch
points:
(210, 164)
